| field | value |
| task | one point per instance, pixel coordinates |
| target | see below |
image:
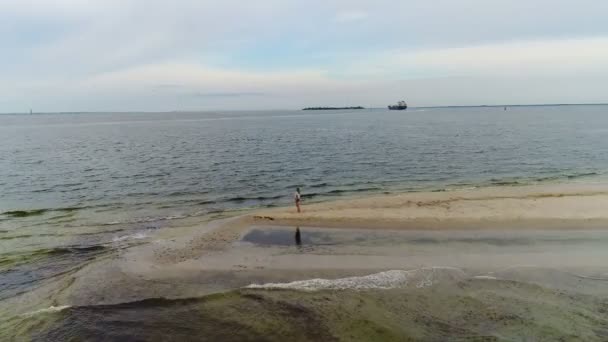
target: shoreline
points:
(555, 206)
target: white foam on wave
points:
(485, 277)
(147, 219)
(419, 278)
(136, 236)
(47, 310)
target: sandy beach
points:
(543, 206)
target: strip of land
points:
(546, 206)
(332, 108)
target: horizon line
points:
(261, 110)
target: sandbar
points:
(544, 206)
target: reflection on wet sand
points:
(298, 237)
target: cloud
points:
(350, 16)
(190, 75)
(562, 57)
(62, 8)
(179, 85)
(229, 94)
(169, 86)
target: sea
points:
(76, 187)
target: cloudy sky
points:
(153, 55)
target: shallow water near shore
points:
(371, 284)
(494, 309)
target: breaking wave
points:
(136, 236)
(50, 309)
(419, 278)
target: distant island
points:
(331, 108)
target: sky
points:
(153, 55)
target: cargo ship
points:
(401, 105)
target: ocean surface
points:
(82, 186)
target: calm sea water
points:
(76, 186)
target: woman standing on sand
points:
(298, 198)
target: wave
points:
(332, 192)
(25, 213)
(136, 236)
(100, 232)
(486, 277)
(335, 192)
(70, 209)
(50, 309)
(35, 255)
(137, 304)
(152, 219)
(506, 182)
(74, 249)
(187, 202)
(186, 193)
(146, 220)
(568, 176)
(339, 192)
(533, 180)
(258, 198)
(37, 212)
(60, 188)
(21, 272)
(549, 278)
(318, 185)
(25, 236)
(419, 278)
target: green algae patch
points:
(472, 310)
(475, 309)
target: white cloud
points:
(180, 85)
(350, 16)
(56, 7)
(524, 58)
(198, 76)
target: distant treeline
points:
(331, 108)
